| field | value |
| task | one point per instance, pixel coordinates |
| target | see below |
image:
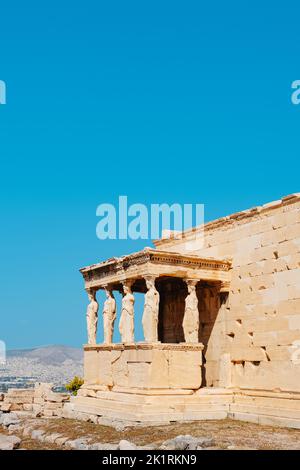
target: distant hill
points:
(53, 354)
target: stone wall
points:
(142, 366)
(17, 399)
(46, 402)
(41, 400)
(258, 326)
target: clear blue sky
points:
(162, 101)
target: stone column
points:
(190, 322)
(126, 326)
(109, 315)
(150, 315)
(92, 317)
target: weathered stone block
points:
(183, 374)
(27, 407)
(9, 442)
(247, 354)
(289, 307)
(105, 368)
(139, 374)
(159, 374)
(294, 322)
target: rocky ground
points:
(55, 433)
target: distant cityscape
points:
(54, 364)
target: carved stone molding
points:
(149, 262)
(145, 346)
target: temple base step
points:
(261, 407)
(163, 406)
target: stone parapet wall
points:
(17, 399)
(146, 366)
(41, 400)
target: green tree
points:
(74, 385)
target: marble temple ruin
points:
(221, 325)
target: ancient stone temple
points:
(221, 325)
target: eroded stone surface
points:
(187, 443)
(9, 442)
(126, 445)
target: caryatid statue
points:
(190, 322)
(92, 317)
(150, 315)
(126, 326)
(109, 316)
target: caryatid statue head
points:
(108, 292)
(191, 285)
(150, 283)
(91, 294)
(127, 287)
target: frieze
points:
(191, 263)
(118, 265)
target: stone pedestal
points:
(144, 365)
(142, 379)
